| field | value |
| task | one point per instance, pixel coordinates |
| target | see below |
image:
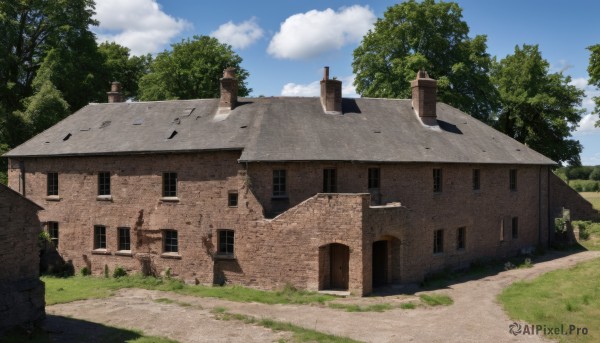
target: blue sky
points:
(286, 43)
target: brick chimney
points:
(229, 89)
(331, 93)
(424, 94)
(115, 92)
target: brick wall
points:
(563, 196)
(292, 247)
(21, 291)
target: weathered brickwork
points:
(563, 196)
(295, 246)
(21, 291)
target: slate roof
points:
(281, 129)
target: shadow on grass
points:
(478, 270)
(69, 330)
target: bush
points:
(119, 272)
(85, 271)
(584, 229)
(595, 174)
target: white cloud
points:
(587, 123)
(309, 34)
(140, 25)
(592, 160)
(314, 88)
(239, 36)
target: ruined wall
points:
(21, 291)
(563, 196)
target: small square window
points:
(52, 183)
(232, 200)
(104, 183)
(438, 241)
(226, 242)
(279, 183)
(476, 179)
(513, 179)
(53, 233)
(99, 237)
(171, 243)
(169, 184)
(374, 181)
(461, 236)
(124, 238)
(437, 180)
(515, 227)
(329, 180)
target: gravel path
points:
(475, 315)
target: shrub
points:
(119, 272)
(85, 271)
(595, 174)
(584, 232)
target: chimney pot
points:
(229, 89)
(424, 97)
(331, 93)
(115, 92)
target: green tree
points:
(120, 66)
(414, 35)
(45, 108)
(594, 72)
(538, 108)
(595, 174)
(191, 70)
(29, 30)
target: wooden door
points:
(380, 263)
(339, 256)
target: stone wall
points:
(563, 196)
(21, 291)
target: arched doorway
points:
(334, 266)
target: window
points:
(329, 180)
(373, 178)
(169, 184)
(437, 180)
(104, 183)
(53, 233)
(515, 227)
(52, 184)
(513, 179)
(476, 180)
(438, 241)
(461, 238)
(232, 200)
(124, 238)
(170, 241)
(226, 242)
(279, 181)
(99, 237)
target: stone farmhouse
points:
(320, 193)
(21, 291)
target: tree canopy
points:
(191, 70)
(538, 108)
(120, 66)
(414, 35)
(594, 72)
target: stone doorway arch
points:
(334, 261)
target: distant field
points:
(592, 197)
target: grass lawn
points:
(567, 297)
(593, 198)
(62, 290)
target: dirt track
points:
(475, 315)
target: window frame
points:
(438, 241)
(170, 241)
(279, 183)
(515, 227)
(123, 240)
(52, 184)
(232, 199)
(461, 238)
(169, 184)
(100, 237)
(512, 179)
(374, 178)
(53, 232)
(437, 180)
(104, 183)
(330, 180)
(476, 178)
(226, 242)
